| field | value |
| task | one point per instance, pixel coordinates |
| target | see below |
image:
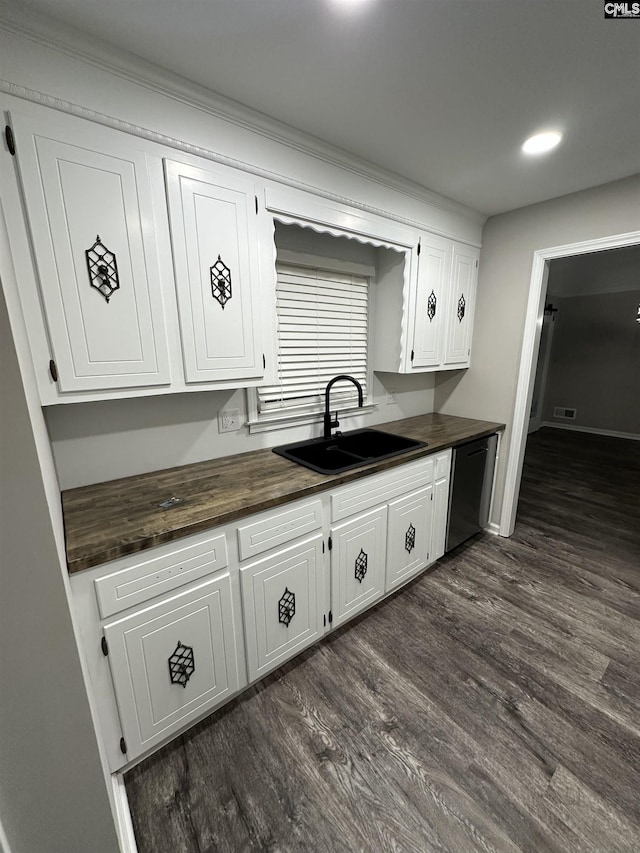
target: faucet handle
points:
(335, 422)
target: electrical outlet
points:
(229, 420)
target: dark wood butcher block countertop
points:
(108, 520)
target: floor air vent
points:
(561, 412)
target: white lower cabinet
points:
(282, 604)
(410, 536)
(357, 564)
(166, 631)
(172, 661)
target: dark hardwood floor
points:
(491, 705)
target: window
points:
(323, 330)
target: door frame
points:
(529, 356)
(542, 368)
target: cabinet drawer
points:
(409, 537)
(380, 488)
(443, 464)
(277, 527)
(172, 661)
(357, 564)
(137, 579)
(282, 597)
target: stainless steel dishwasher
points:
(472, 467)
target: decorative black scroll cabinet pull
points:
(410, 539)
(220, 282)
(361, 566)
(181, 664)
(103, 269)
(287, 607)
(461, 307)
(432, 304)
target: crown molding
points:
(17, 91)
(51, 34)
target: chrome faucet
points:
(328, 423)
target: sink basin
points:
(348, 450)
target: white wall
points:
(53, 797)
(100, 441)
(488, 389)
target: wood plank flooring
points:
(491, 705)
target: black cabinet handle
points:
(432, 304)
(361, 566)
(461, 307)
(220, 282)
(103, 269)
(410, 539)
(181, 664)
(287, 607)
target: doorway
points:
(529, 357)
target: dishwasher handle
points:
(479, 450)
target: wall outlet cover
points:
(229, 420)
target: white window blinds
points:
(322, 331)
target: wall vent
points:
(561, 412)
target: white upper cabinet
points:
(462, 300)
(213, 216)
(434, 273)
(424, 304)
(90, 208)
(155, 269)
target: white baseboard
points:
(608, 432)
(124, 826)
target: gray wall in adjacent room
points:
(595, 362)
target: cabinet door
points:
(90, 210)
(172, 661)
(215, 247)
(409, 537)
(282, 600)
(434, 271)
(358, 564)
(440, 505)
(440, 510)
(461, 305)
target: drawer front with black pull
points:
(173, 661)
(282, 603)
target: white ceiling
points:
(442, 92)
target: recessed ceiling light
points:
(542, 142)
(350, 3)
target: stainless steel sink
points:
(347, 450)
